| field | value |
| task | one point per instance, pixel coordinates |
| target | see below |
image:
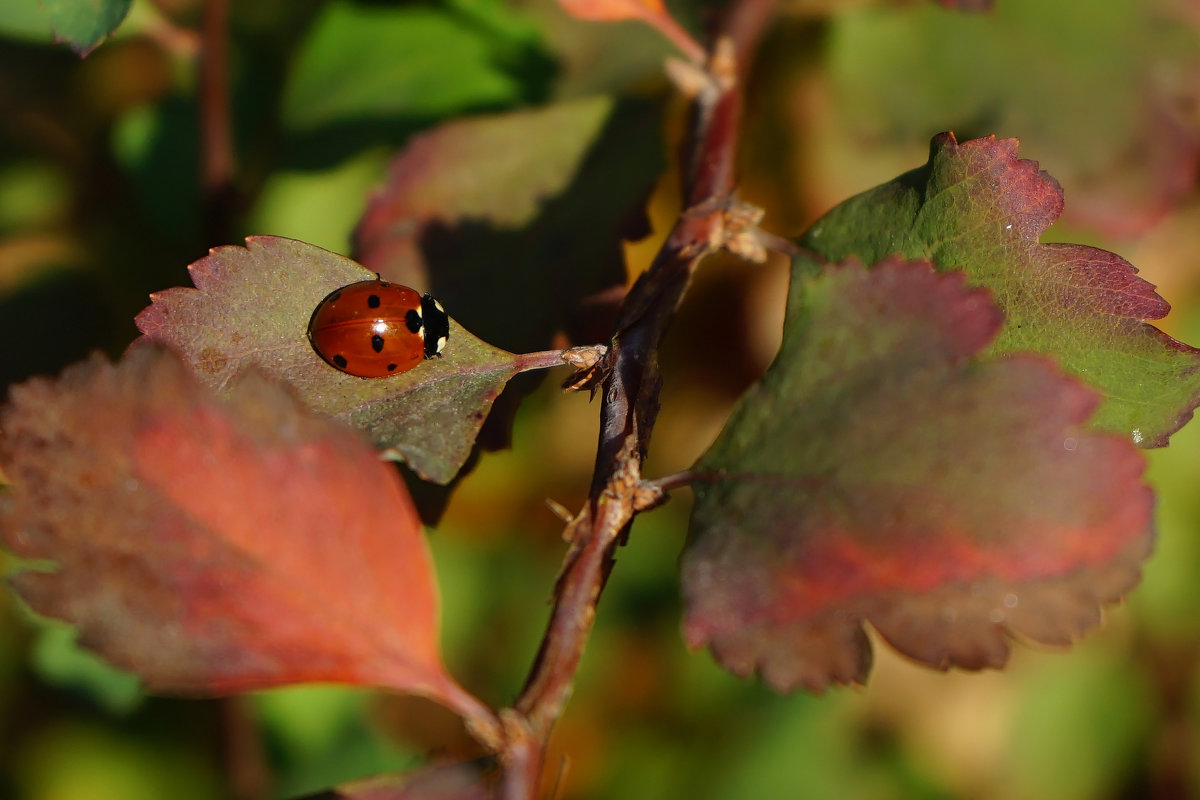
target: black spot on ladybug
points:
(377, 343)
(392, 367)
(339, 361)
(437, 326)
(412, 320)
(373, 301)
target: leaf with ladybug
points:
(883, 471)
(217, 544)
(253, 306)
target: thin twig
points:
(676, 480)
(631, 387)
(216, 127)
(543, 359)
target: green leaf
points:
(251, 307)
(367, 62)
(84, 24)
(60, 661)
(1091, 89)
(882, 472)
(25, 19)
(976, 207)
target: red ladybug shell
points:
(374, 329)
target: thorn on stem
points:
(559, 510)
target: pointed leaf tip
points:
(84, 24)
(977, 207)
(879, 473)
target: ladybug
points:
(374, 329)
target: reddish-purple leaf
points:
(976, 207)
(216, 545)
(882, 473)
(251, 307)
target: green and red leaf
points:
(514, 221)
(251, 307)
(883, 472)
(1094, 94)
(216, 544)
(978, 208)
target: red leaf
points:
(216, 545)
(881, 473)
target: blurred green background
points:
(100, 204)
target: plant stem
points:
(543, 359)
(676, 480)
(216, 127)
(631, 387)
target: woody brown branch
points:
(216, 126)
(630, 389)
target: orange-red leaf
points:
(614, 9)
(652, 12)
(214, 545)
